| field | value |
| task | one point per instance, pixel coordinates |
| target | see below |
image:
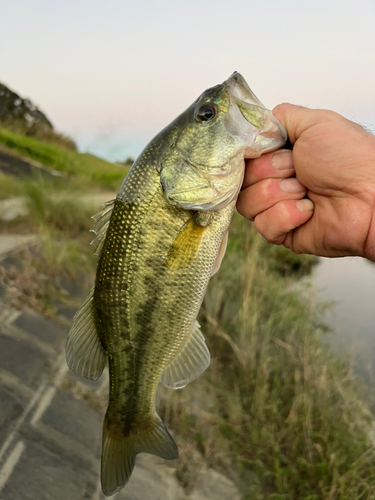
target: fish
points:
(159, 242)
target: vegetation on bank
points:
(60, 215)
(10, 187)
(82, 167)
(38, 131)
(276, 410)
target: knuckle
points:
(258, 225)
(326, 116)
(332, 115)
(270, 233)
(275, 240)
(284, 215)
(244, 206)
(266, 188)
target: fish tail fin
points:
(119, 450)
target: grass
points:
(58, 208)
(63, 219)
(10, 187)
(59, 215)
(82, 166)
(276, 409)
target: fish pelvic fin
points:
(191, 361)
(84, 352)
(185, 247)
(119, 450)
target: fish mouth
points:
(237, 87)
(269, 133)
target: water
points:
(350, 282)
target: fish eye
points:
(206, 113)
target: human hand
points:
(334, 162)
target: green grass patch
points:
(80, 165)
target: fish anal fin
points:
(220, 254)
(186, 245)
(84, 352)
(192, 360)
(119, 450)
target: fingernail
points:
(282, 160)
(291, 186)
(305, 205)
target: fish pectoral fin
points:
(119, 450)
(220, 254)
(84, 352)
(101, 225)
(185, 247)
(192, 360)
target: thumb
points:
(297, 119)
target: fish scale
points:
(159, 243)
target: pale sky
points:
(112, 73)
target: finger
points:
(276, 164)
(266, 193)
(276, 223)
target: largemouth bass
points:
(159, 243)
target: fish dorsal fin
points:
(220, 254)
(84, 352)
(101, 225)
(192, 360)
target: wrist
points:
(369, 244)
